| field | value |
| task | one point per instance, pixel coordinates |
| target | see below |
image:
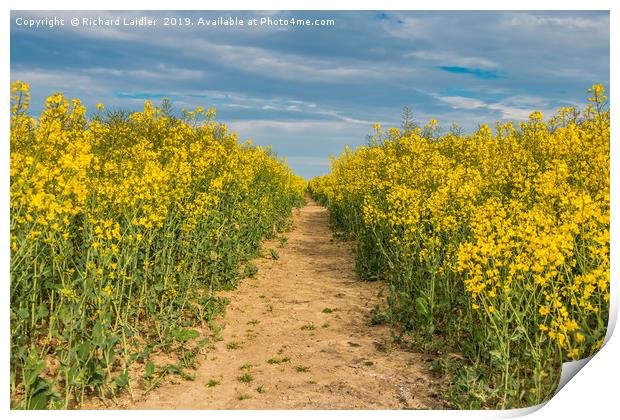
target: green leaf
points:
(23, 313)
(38, 401)
(149, 370)
(84, 351)
(496, 354)
(34, 366)
(98, 333)
(421, 306)
(42, 311)
(185, 335)
(41, 385)
(173, 369)
(72, 375)
(122, 380)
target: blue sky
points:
(308, 91)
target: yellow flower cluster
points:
(124, 217)
(510, 224)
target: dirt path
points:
(319, 359)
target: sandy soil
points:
(336, 361)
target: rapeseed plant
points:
(498, 239)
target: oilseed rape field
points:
(123, 227)
(495, 245)
(483, 257)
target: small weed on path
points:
(277, 361)
(246, 378)
(212, 383)
(250, 270)
(274, 254)
(233, 345)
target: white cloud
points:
(282, 65)
(339, 116)
(159, 72)
(293, 126)
(511, 112)
(45, 82)
(570, 22)
(452, 59)
(517, 107)
(462, 102)
(294, 106)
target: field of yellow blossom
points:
(495, 244)
(123, 225)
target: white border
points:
(592, 394)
